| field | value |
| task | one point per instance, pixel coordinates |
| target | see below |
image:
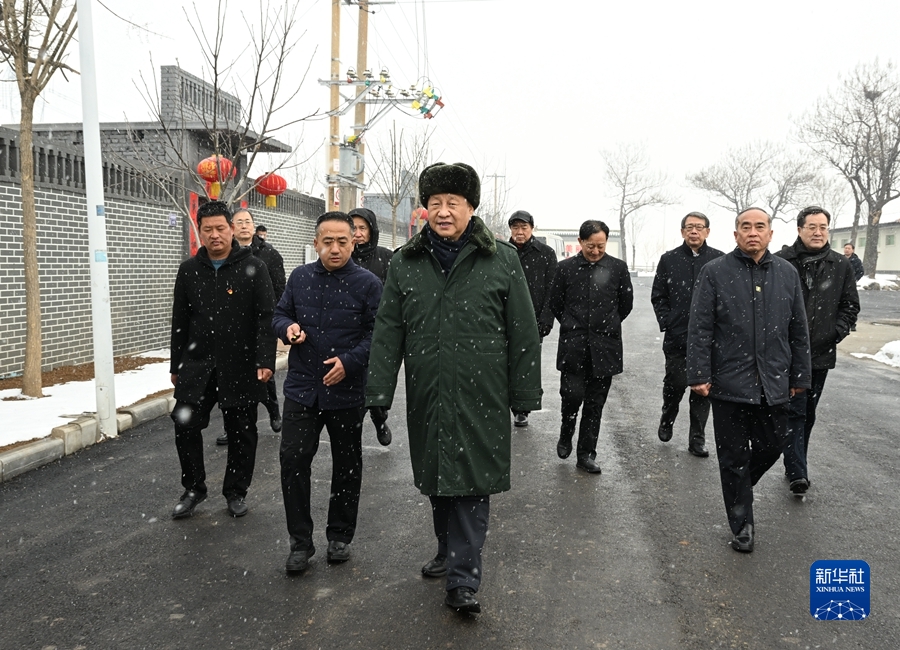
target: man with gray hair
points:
(673, 287)
(748, 351)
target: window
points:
(844, 242)
(889, 240)
(862, 242)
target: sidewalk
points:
(83, 432)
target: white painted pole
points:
(104, 372)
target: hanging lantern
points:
(271, 185)
(215, 170)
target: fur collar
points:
(482, 238)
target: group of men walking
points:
(465, 314)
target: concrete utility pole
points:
(362, 47)
(104, 369)
(333, 166)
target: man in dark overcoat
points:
(539, 264)
(673, 287)
(456, 314)
(590, 296)
(832, 303)
(855, 263)
(222, 350)
(372, 257)
(244, 233)
(326, 315)
(748, 351)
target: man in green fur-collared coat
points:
(457, 312)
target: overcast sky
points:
(534, 91)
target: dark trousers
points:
(190, 421)
(271, 402)
(749, 440)
(461, 525)
(674, 385)
(299, 443)
(575, 389)
(801, 418)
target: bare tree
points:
(398, 160)
(635, 186)
(758, 174)
(856, 130)
(33, 43)
(239, 119)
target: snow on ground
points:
(62, 403)
(889, 354)
(886, 281)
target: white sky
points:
(534, 91)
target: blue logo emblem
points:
(839, 590)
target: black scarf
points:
(445, 250)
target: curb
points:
(84, 432)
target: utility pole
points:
(495, 215)
(104, 371)
(333, 166)
(362, 47)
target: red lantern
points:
(215, 170)
(271, 185)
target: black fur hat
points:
(458, 178)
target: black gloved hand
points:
(379, 414)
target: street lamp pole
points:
(104, 372)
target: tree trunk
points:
(870, 257)
(624, 245)
(854, 230)
(393, 225)
(31, 376)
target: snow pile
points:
(35, 418)
(884, 281)
(889, 354)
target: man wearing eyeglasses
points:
(832, 303)
(590, 296)
(673, 287)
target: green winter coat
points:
(470, 346)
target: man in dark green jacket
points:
(457, 313)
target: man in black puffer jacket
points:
(372, 257)
(366, 251)
(832, 303)
(673, 286)
(539, 263)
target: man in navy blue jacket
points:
(326, 315)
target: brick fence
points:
(145, 242)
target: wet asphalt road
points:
(634, 558)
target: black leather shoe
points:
(222, 440)
(521, 420)
(237, 507)
(436, 567)
(185, 507)
(275, 423)
(298, 561)
(799, 486)
(664, 433)
(743, 541)
(698, 450)
(383, 433)
(589, 465)
(564, 446)
(338, 552)
(462, 599)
